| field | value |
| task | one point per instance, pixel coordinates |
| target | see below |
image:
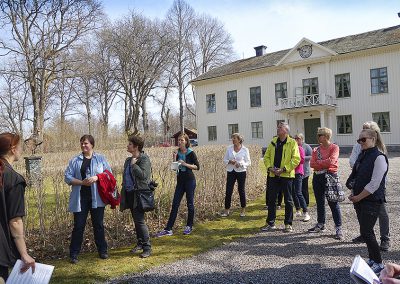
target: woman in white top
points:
(237, 159)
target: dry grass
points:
(49, 224)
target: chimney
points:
(260, 50)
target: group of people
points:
(287, 160)
(367, 183)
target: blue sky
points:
(277, 24)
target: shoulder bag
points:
(333, 188)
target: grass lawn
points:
(205, 236)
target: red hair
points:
(7, 142)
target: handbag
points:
(333, 188)
(145, 200)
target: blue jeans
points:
(367, 214)
(231, 178)
(182, 187)
(319, 185)
(285, 185)
(97, 216)
(297, 188)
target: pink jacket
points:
(300, 169)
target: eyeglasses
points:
(296, 138)
(362, 140)
(319, 135)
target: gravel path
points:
(277, 257)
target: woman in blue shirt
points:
(84, 198)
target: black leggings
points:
(231, 178)
(4, 272)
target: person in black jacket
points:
(136, 176)
(12, 208)
(186, 184)
(367, 182)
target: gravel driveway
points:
(277, 257)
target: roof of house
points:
(347, 44)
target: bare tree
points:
(14, 103)
(142, 49)
(103, 65)
(181, 23)
(40, 30)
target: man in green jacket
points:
(281, 159)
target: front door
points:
(310, 130)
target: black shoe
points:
(358, 239)
(136, 249)
(103, 255)
(385, 245)
(73, 260)
(146, 253)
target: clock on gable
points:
(305, 51)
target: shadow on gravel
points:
(294, 273)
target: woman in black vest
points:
(367, 182)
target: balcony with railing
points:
(300, 101)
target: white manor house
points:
(339, 83)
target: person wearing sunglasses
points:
(324, 159)
(383, 215)
(367, 182)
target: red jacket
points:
(108, 191)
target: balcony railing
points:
(306, 100)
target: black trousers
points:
(367, 215)
(304, 190)
(267, 193)
(285, 185)
(4, 272)
(142, 231)
(231, 178)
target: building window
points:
(344, 124)
(255, 97)
(310, 86)
(379, 80)
(212, 133)
(210, 101)
(232, 128)
(231, 98)
(280, 92)
(342, 85)
(383, 120)
(257, 129)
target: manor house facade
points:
(339, 83)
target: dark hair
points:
(87, 137)
(7, 141)
(186, 137)
(137, 141)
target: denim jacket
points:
(98, 165)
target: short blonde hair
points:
(327, 132)
(300, 135)
(238, 136)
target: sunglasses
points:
(319, 135)
(362, 140)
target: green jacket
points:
(290, 157)
(141, 171)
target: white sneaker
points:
(298, 214)
(306, 217)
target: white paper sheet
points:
(361, 270)
(42, 274)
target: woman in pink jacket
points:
(298, 197)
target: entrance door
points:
(310, 130)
